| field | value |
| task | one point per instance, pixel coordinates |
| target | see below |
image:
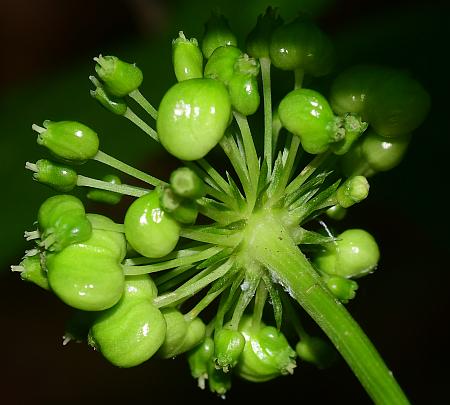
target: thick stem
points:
(271, 245)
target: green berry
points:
(354, 254)
(300, 44)
(120, 78)
(70, 141)
(129, 333)
(266, 353)
(217, 34)
(399, 105)
(59, 177)
(258, 40)
(62, 222)
(88, 275)
(194, 335)
(220, 65)
(316, 351)
(176, 332)
(383, 154)
(244, 94)
(186, 213)
(105, 196)
(307, 114)
(148, 228)
(53, 207)
(353, 88)
(192, 118)
(391, 101)
(140, 287)
(229, 345)
(187, 58)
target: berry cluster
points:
(138, 288)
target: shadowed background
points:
(47, 48)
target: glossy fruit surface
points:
(307, 114)
(192, 117)
(148, 228)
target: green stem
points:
(287, 169)
(307, 172)
(192, 288)
(137, 96)
(104, 158)
(141, 124)
(133, 191)
(230, 148)
(170, 264)
(250, 153)
(230, 239)
(267, 94)
(299, 74)
(272, 246)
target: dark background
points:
(47, 48)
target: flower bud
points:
(219, 382)
(31, 270)
(59, 177)
(342, 288)
(316, 351)
(120, 78)
(70, 141)
(186, 183)
(354, 254)
(105, 196)
(229, 345)
(113, 104)
(258, 40)
(199, 359)
(187, 58)
(352, 191)
(217, 34)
